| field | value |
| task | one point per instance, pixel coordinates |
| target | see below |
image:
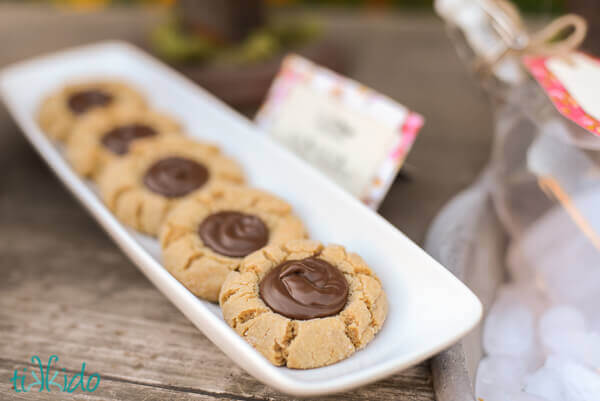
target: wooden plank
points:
(90, 304)
(108, 389)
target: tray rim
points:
(227, 340)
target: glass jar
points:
(539, 157)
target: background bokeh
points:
(532, 6)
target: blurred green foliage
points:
(174, 44)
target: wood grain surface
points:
(65, 289)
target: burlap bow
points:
(559, 38)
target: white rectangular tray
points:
(429, 308)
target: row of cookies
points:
(299, 303)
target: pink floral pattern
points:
(566, 104)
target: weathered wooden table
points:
(65, 288)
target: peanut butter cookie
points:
(107, 134)
(304, 305)
(143, 186)
(61, 110)
(207, 236)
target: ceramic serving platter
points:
(429, 308)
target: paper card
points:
(573, 85)
(354, 135)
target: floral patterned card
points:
(354, 135)
(573, 85)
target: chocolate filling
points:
(175, 176)
(233, 234)
(118, 139)
(305, 289)
(81, 102)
